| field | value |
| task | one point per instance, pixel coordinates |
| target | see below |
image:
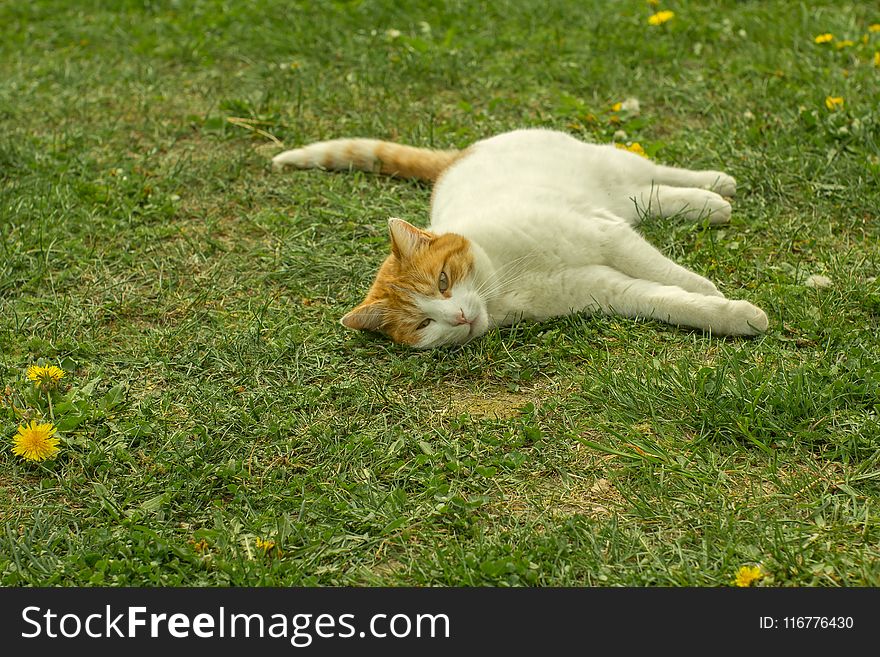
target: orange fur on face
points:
(412, 270)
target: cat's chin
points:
(479, 326)
(458, 335)
(474, 330)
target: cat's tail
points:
(369, 155)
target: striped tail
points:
(369, 155)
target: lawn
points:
(218, 426)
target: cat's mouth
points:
(460, 336)
(476, 327)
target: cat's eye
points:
(443, 283)
(424, 324)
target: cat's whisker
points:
(501, 286)
(505, 277)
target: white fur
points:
(550, 221)
(456, 319)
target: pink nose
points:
(461, 319)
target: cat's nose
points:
(461, 319)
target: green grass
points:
(193, 296)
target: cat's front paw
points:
(705, 287)
(748, 319)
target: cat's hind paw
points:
(724, 185)
(719, 211)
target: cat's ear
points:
(406, 239)
(365, 317)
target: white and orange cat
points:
(529, 225)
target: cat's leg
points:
(630, 253)
(613, 292)
(688, 202)
(715, 181)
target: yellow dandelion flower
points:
(747, 575)
(35, 442)
(833, 102)
(616, 107)
(874, 27)
(266, 545)
(634, 147)
(877, 59)
(846, 43)
(661, 17)
(44, 376)
(824, 38)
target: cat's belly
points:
(538, 168)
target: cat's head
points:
(425, 293)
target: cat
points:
(529, 225)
